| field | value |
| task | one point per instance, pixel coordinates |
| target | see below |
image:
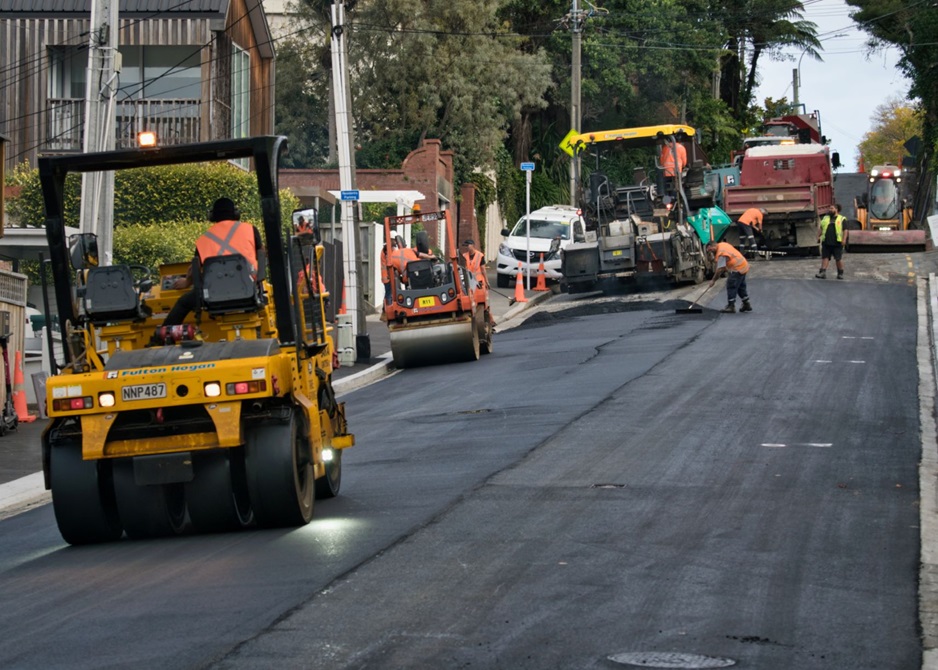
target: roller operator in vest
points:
(227, 236)
(735, 265)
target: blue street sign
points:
(527, 167)
(349, 195)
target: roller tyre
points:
(328, 485)
(217, 497)
(279, 475)
(83, 497)
(147, 511)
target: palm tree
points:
(754, 28)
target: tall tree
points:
(894, 123)
(913, 28)
(756, 28)
(436, 68)
(303, 91)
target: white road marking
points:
(782, 445)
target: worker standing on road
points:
(475, 261)
(749, 221)
(832, 240)
(729, 260)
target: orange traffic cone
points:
(519, 286)
(19, 395)
(541, 276)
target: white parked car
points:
(557, 222)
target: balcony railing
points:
(175, 121)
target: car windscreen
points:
(546, 230)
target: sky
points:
(846, 88)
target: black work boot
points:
(821, 274)
(729, 309)
(840, 274)
(746, 307)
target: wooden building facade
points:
(191, 70)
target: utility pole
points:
(97, 188)
(575, 117)
(345, 143)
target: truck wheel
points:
(501, 280)
(279, 474)
(82, 496)
(147, 511)
(217, 496)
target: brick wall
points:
(428, 169)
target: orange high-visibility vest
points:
(226, 238)
(384, 266)
(752, 217)
(474, 264)
(735, 261)
(667, 158)
(401, 257)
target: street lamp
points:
(796, 73)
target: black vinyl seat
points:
(228, 285)
(110, 295)
(420, 274)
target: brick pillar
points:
(467, 227)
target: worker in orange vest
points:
(304, 227)
(475, 261)
(730, 261)
(227, 236)
(672, 160)
(400, 256)
(667, 158)
(749, 221)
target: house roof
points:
(136, 8)
(143, 9)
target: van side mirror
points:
(505, 232)
(835, 160)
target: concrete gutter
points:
(927, 306)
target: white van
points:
(547, 224)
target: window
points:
(161, 72)
(240, 92)
(146, 72)
(68, 72)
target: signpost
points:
(528, 169)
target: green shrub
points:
(154, 245)
(153, 195)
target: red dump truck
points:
(793, 184)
